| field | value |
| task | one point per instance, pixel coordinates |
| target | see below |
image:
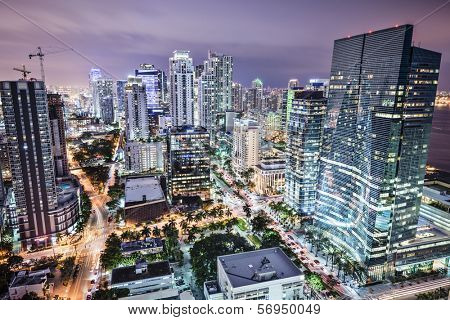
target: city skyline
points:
(262, 169)
(261, 49)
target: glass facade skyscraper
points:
(189, 164)
(304, 134)
(152, 80)
(375, 144)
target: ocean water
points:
(439, 153)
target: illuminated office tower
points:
(375, 144)
(94, 75)
(245, 145)
(304, 139)
(105, 98)
(181, 73)
(287, 96)
(189, 164)
(152, 79)
(41, 209)
(58, 132)
(136, 116)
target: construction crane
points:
(40, 54)
(23, 71)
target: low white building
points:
(143, 277)
(269, 177)
(266, 274)
(30, 281)
(144, 199)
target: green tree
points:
(111, 257)
(260, 222)
(205, 251)
(247, 210)
(270, 238)
(156, 232)
(146, 232)
(110, 294)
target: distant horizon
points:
(298, 45)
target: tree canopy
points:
(204, 253)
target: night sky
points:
(273, 40)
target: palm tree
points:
(146, 232)
(156, 232)
(189, 217)
(247, 211)
(126, 235)
(191, 236)
(184, 225)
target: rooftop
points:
(252, 267)
(309, 94)
(128, 274)
(212, 287)
(143, 189)
(27, 278)
(140, 245)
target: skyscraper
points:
(304, 139)
(181, 72)
(58, 132)
(245, 145)
(105, 98)
(136, 115)
(237, 97)
(151, 78)
(254, 97)
(375, 144)
(207, 100)
(189, 164)
(215, 92)
(94, 75)
(120, 94)
(39, 214)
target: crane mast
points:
(40, 55)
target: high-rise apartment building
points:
(375, 144)
(245, 145)
(181, 73)
(41, 210)
(120, 94)
(254, 96)
(215, 91)
(237, 97)
(304, 140)
(105, 98)
(189, 164)
(58, 132)
(94, 75)
(136, 115)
